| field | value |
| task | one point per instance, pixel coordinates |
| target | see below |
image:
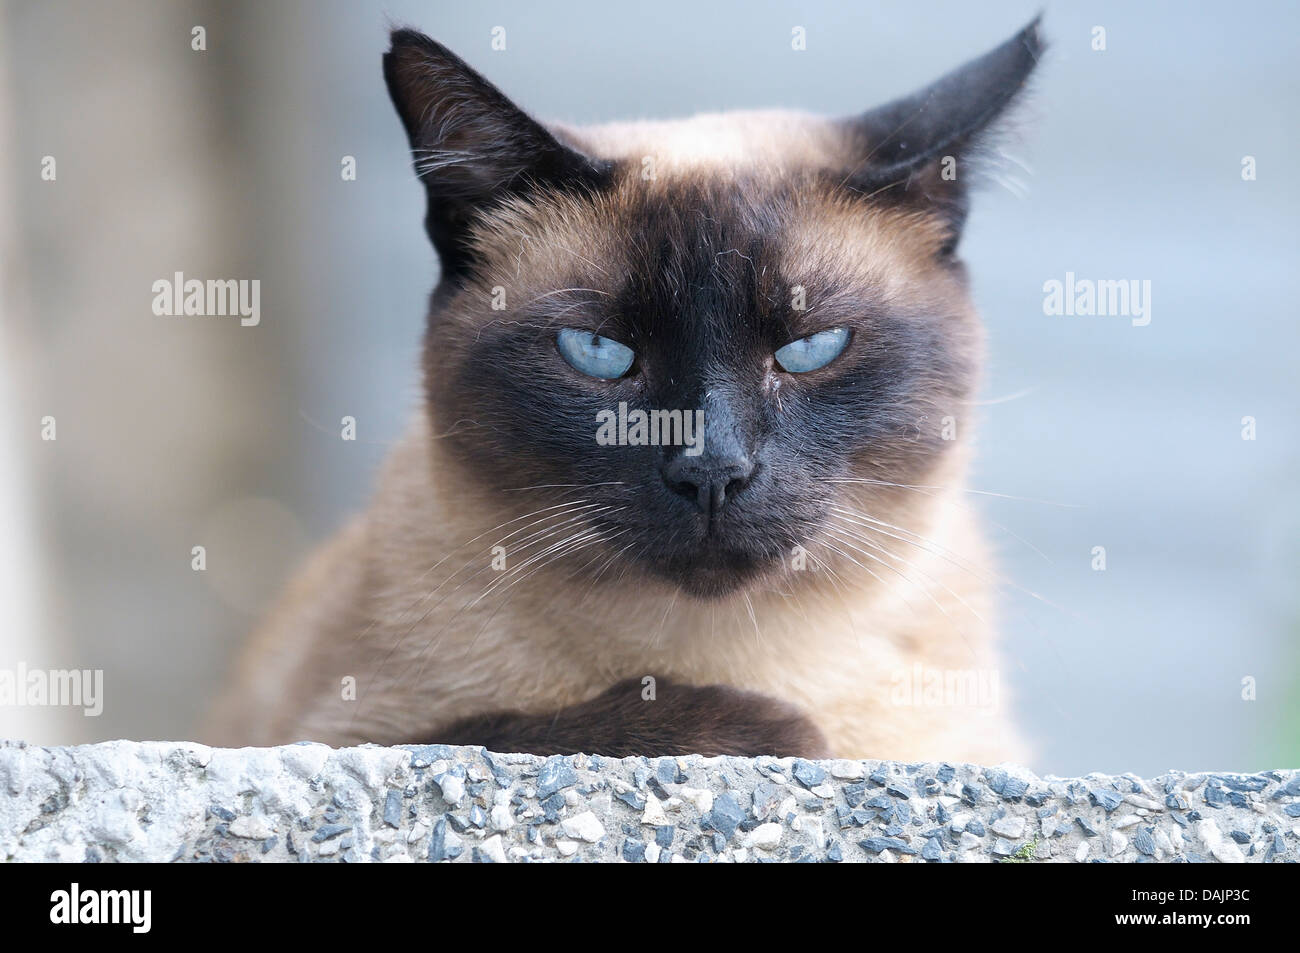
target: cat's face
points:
(701, 283)
(712, 360)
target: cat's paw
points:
(679, 719)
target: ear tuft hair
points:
(905, 143)
(472, 147)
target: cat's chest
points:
(540, 660)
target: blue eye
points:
(814, 351)
(594, 355)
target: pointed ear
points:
(918, 149)
(472, 146)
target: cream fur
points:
(835, 649)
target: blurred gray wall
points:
(226, 163)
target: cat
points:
(792, 280)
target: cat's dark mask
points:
(793, 278)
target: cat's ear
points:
(472, 146)
(922, 148)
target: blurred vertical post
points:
(21, 560)
(172, 432)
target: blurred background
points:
(226, 162)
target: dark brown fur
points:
(681, 719)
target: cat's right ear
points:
(472, 146)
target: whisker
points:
(570, 506)
(525, 543)
(550, 486)
(452, 552)
(915, 568)
(1004, 399)
(961, 630)
(664, 620)
(955, 558)
(568, 551)
(749, 604)
(436, 639)
(960, 489)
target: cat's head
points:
(788, 281)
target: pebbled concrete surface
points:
(158, 801)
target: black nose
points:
(708, 481)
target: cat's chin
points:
(712, 577)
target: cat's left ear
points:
(920, 149)
(472, 146)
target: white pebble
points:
(701, 798)
(1223, 850)
(654, 812)
(585, 826)
(494, 849)
(253, 828)
(305, 761)
(1147, 803)
(452, 788)
(1010, 826)
(813, 826)
(764, 836)
(1164, 846)
(847, 770)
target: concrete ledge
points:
(129, 801)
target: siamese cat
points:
(683, 477)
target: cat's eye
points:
(813, 352)
(594, 355)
